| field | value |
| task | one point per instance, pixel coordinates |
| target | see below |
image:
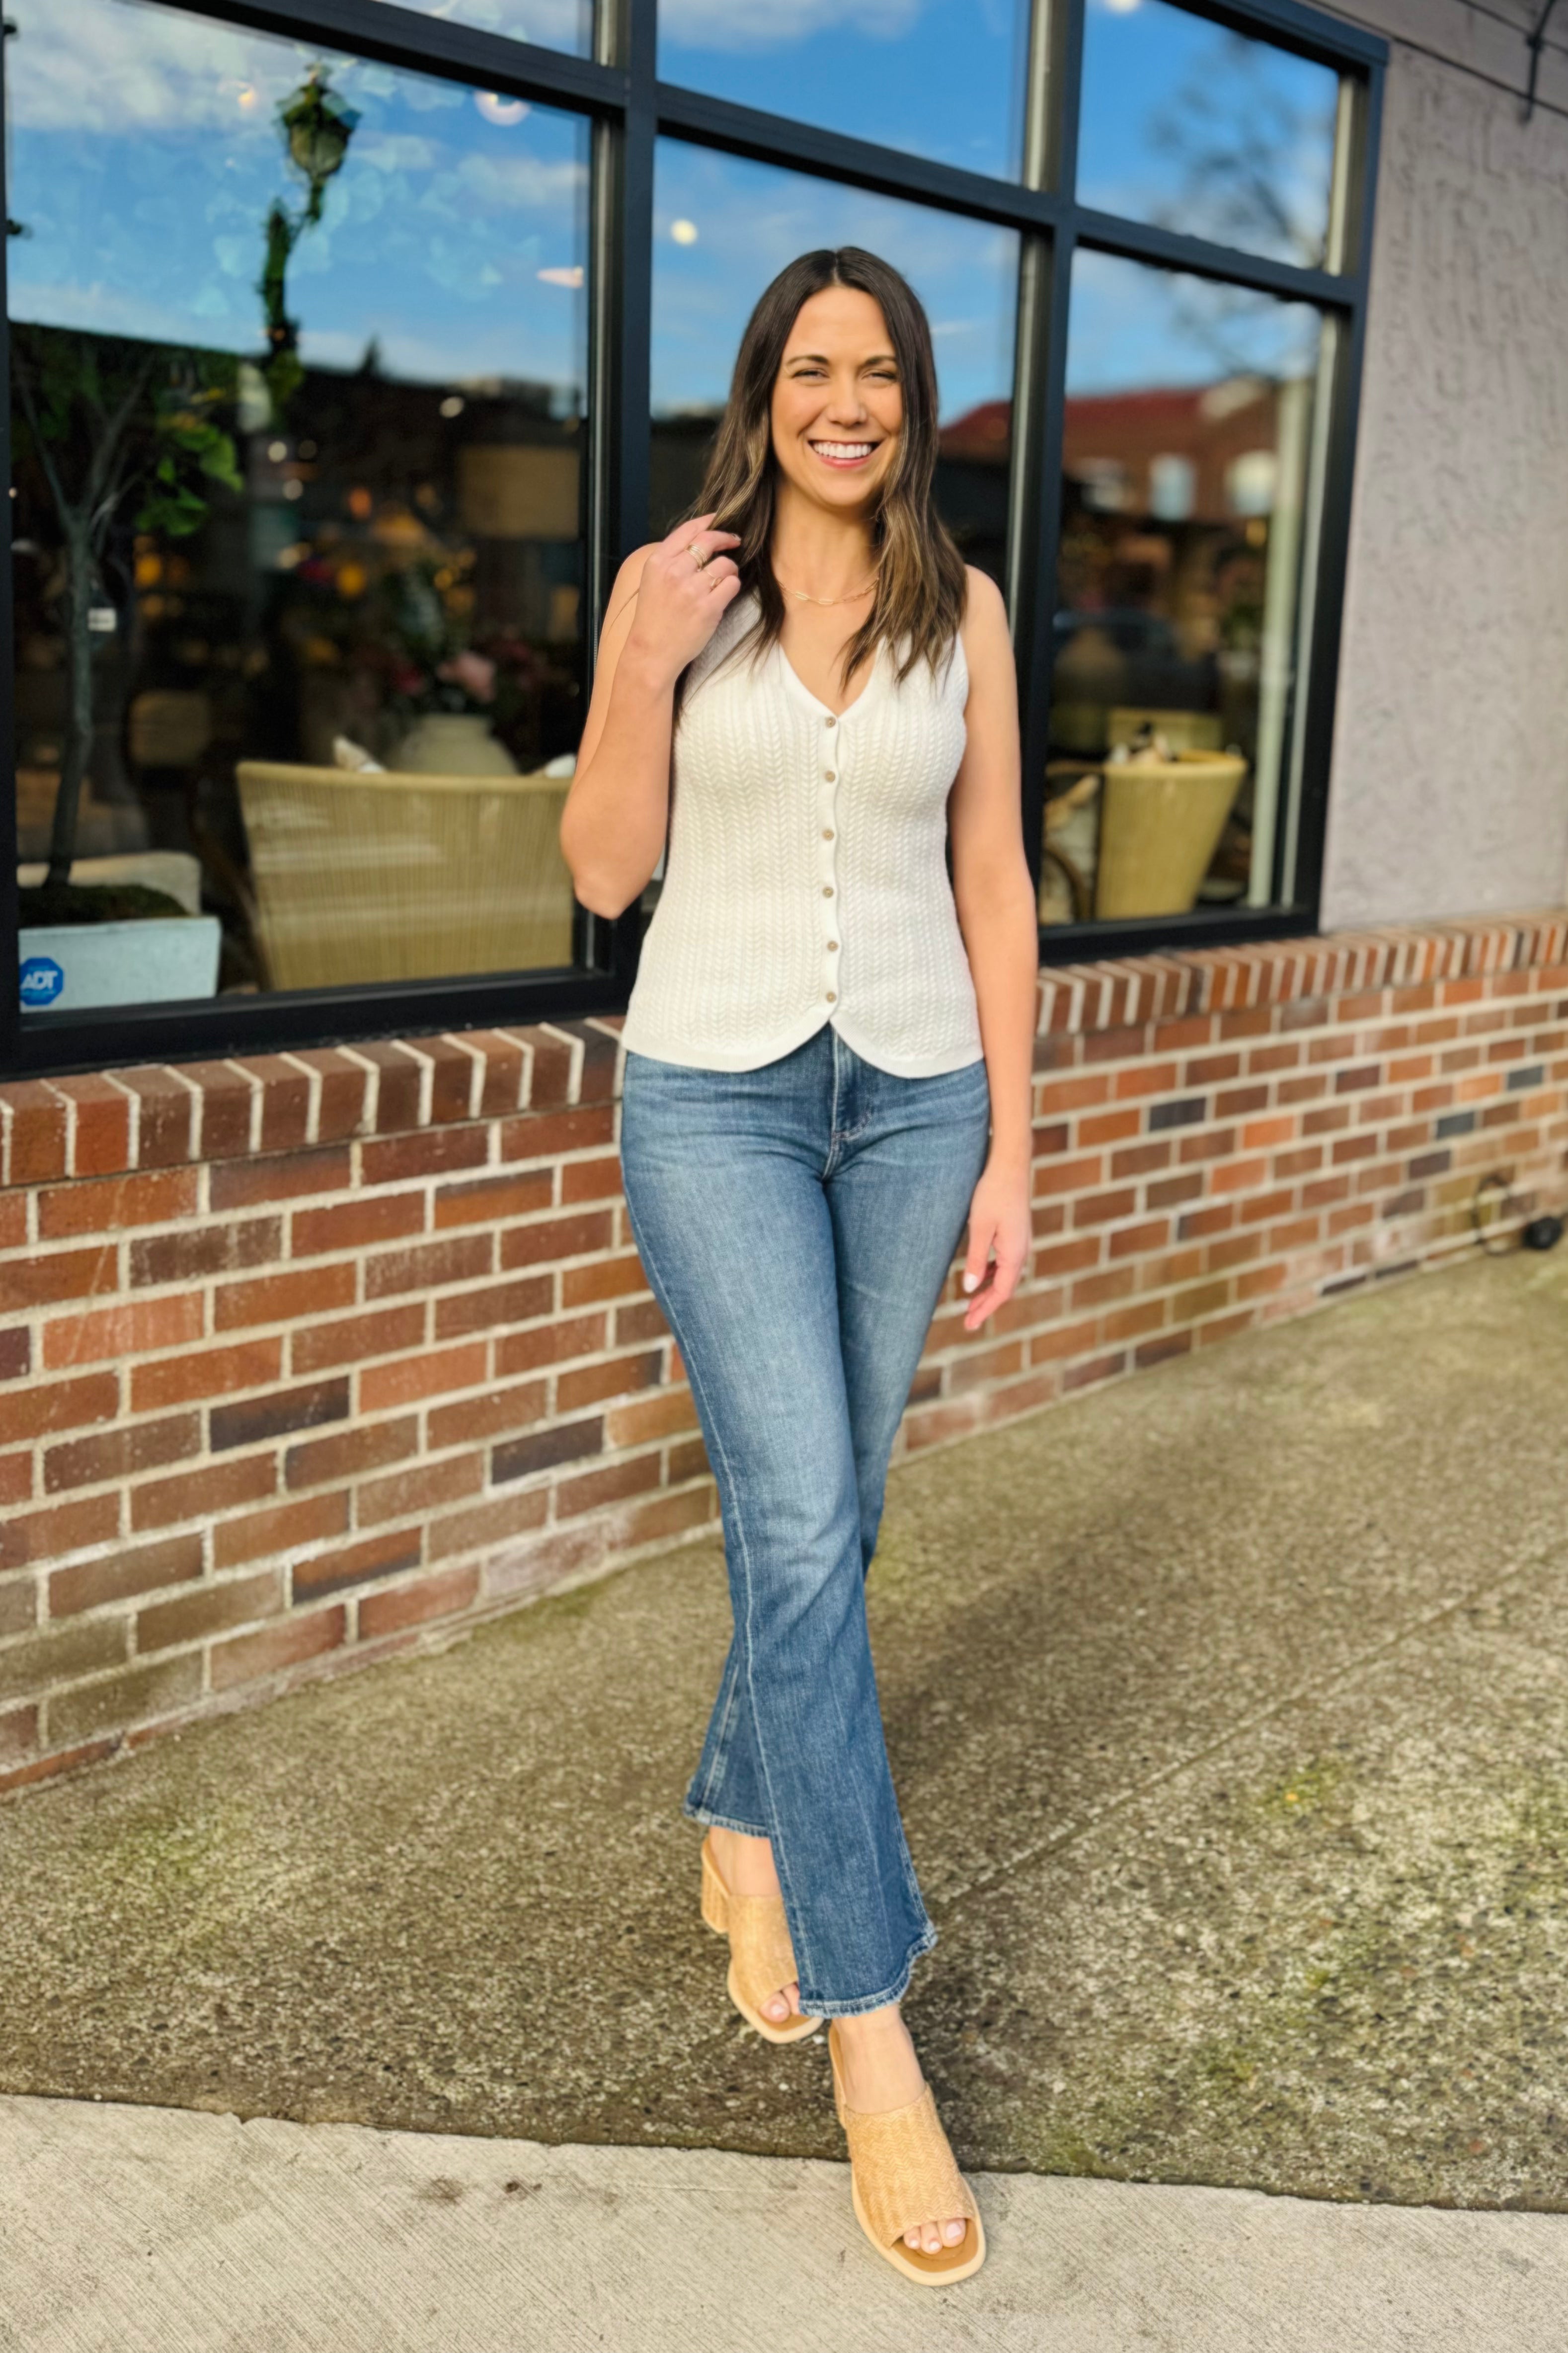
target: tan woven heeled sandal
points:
(902, 2173)
(762, 1958)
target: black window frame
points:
(628, 110)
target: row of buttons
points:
(829, 777)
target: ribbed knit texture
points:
(762, 915)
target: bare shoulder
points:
(984, 608)
(627, 580)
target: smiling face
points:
(837, 402)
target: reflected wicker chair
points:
(402, 876)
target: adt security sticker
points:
(42, 981)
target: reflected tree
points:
(108, 420)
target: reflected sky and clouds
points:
(146, 153)
(1133, 326)
(942, 79)
(724, 226)
(1188, 126)
(554, 23)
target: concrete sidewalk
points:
(149, 2231)
(1229, 1712)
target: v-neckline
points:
(816, 700)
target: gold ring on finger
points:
(699, 554)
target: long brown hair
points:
(922, 582)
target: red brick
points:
(662, 1519)
(383, 1387)
(198, 1494)
(15, 1478)
(223, 1109)
(382, 1556)
(143, 1568)
(216, 1608)
(428, 1266)
(399, 1079)
(249, 1420)
(1093, 1370)
(351, 1225)
(344, 1084)
(283, 1298)
(132, 1329)
(488, 1524)
(205, 1250)
(618, 1378)
(60, 1652)
(545, 1137)
(352, 1338)
(19, 1604)
(29, 1536)
(1100, 1209)
(207, 1373)
(609, 1278)
(285, 1101)
(100, 1140)
(1131, 1240)
(286, 1176)
(414, 1605)
(136, 1697)
(13, 1221)
(165, 1116)
(40, 1408)
(497, 1303)
(488, 1416)
(33, 1125)
(1159, 1350)
(112, 1203)
(492, 1199)
(670, 1411)
(286, 1528)
(432, 1151)
(248, 1658)
(121, 1453)
(18, 1733)
(347, 1453)
(421, 1489)
(550, 1344)
(589, 1180)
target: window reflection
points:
(943, 79)
(554, 24)
(299, 361)
(1191, 127)
(723, 227)
(1186, 452)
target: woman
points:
(828, 1070)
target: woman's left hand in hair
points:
(1000, 1232)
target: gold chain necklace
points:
(808, 599)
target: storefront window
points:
(299, 393)
(1187, 455)
(942, 79)
(723, 227)
(554, 23)
(1213, 132)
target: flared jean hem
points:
(711, 1821)
(863, 2002)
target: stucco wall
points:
(1450, 772)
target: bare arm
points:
(997, 916)
(663, 610)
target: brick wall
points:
(307, 1359)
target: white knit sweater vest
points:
(805, 876)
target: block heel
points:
(761, 1957)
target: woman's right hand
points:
(679, 601)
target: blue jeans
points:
(797, 1224)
